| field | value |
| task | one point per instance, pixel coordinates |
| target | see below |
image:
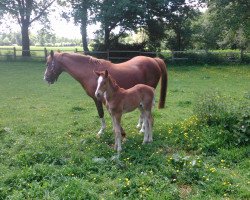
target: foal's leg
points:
(148, 136)
(140, 122)
(117, 128)
(122, 131)
(145, 124)
(150, 123)
(99, 107)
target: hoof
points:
(150, 140)
(144, 142)
(147, 141)
(142, 131)
(124, 139)
(118, 149)
(100, 132)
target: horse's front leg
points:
(123, 134)
(99, 107)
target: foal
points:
(119, 101)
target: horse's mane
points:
(87, 58)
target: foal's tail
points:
(164, 82)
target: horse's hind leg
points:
(150, 124)
(146, 131)
(140, 122)
(148, 136)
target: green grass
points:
(49, 148)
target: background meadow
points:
(49, 148)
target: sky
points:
(61, 27)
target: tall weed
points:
(214, 109)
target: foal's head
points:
(53, 70)
(102, 83)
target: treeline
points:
(41, 39)
(159, 24)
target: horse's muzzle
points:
(48, 80)
(98, 95)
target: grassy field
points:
(49, 148)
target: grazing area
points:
(49, 148)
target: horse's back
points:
(138, 70)
(142, 90)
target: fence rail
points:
(14, 53)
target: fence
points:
(14, 53)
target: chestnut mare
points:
(140, 69)
(119, 101)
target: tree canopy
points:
(168, 24)
(25, 13)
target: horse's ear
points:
(52, 53)
(97, 73)
(106, 73)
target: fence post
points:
(45, 53)
(14, 49)
(241, 55)
(107, 54)
(172, 52)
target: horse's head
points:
(102, 82)
(53, 69)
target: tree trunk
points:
(84, 29)
(241, 55)
(178, 38)
(25, 39)
(84, 38)
(107, 38)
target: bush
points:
(98, 46)
(208, 57)
(213, 109)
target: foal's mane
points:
(114, 85)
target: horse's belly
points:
(130, 107)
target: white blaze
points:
(100, 79)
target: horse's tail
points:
(164, 82)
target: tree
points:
(116, 13)
(81, 10)
(205, 34)
(45, 37)
(233, 21)
(25, 12)
(171, 15)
